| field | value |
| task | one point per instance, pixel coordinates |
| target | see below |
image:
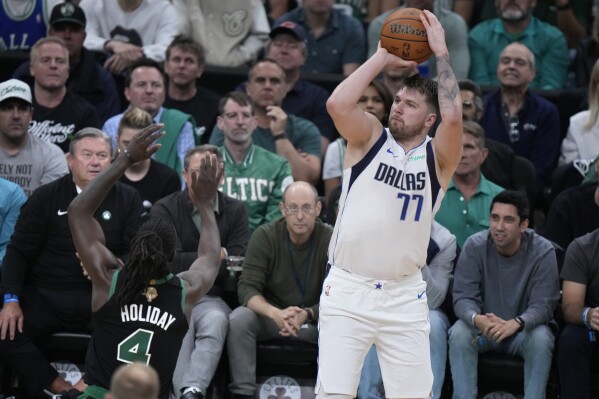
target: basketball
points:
(404, 35)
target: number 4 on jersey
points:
(136, 347)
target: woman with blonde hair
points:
(582, 140)
(152, 179)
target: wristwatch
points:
(310, 314)
(522, 323)
(280, 136)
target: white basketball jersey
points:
(388, 201)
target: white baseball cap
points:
(15, 88)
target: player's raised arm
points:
(203, 271)
(356, 126)
(448, 138)
(87, 233)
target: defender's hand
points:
(205, 181)
(141, 146)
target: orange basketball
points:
(404, 35)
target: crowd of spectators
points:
(122, 65)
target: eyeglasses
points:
(294, 209)
(467, 104)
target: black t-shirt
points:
(582, 266)
(159, 182)
(59, 124)
(203, 107)
(573, 213)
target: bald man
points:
(280, 284)
(134, 381)
(516, 116)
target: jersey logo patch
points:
(391, 152)
(413, 158)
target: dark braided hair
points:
(152, 248)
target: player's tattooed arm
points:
(447, 86)
(448, 139)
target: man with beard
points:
(393, 185)
(515, 23)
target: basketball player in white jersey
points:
(393, 183)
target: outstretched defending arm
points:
(87, 233)
(448, 138)
(203, 271)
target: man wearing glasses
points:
(280, 285)
(253, 175)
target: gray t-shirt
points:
(39, 162)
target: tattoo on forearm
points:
(446, 82)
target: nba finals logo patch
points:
(280, 387)
(327, 290)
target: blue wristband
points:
(11, 298)
(584, 318)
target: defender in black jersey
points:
(141, 312)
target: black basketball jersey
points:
(148, 330)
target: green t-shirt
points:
(258, 181)
(463, 218)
